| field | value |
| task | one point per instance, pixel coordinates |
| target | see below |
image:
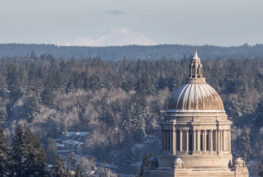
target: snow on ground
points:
(137, 164)
(123, 175)
(71, 142)
(106, 165)
(139, 145)
(69, 134)
(64, 151)
(60, 145)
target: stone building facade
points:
(196, 134)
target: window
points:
(190, 140)
(207, 141)
(178, 140)
(214, 140)
(202, 141)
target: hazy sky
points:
(122, 22)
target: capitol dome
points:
(196, 94)
(196, 133)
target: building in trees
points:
(196, 133)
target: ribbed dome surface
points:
(196, 97)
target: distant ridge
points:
(131, 52)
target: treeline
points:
(25, 157)
(115, 53)
(121, 103)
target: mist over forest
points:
(116, 96)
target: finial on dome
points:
(196, 55)
(196, 70)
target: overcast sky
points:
(123, 22)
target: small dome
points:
(196, 97)
(196, 94)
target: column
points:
(230, 140)
(181, 141)
(171, 141)
(219, 140)
(198, 140)
(167, 140)
(223, 140)
(204, 140)
(187, 140)
(163, 140)
(194, 140)
(211, 140)
(174, 141)
(226, 140)
(177, 140)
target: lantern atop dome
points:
(196, 70)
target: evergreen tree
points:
(144, 163)
(17, 153)
(4, 156)
(33, 55)
(28, 158)
(245, 146)
(47, 95)
(3, 86)
(78, 172)
(59, 170)
(31, 106)
(35, 157)
(3, 113)
(261, 169)
(71, 161)
(144, 85)
(51, 150)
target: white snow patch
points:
(72, 142)
(111, 166)
(64, 151)
(139, 146)
(60, 145)
(68, 134)
(136, 164)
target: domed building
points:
(196, 134)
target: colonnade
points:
(186, 140)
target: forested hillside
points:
(115, 53)
(120, 105)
